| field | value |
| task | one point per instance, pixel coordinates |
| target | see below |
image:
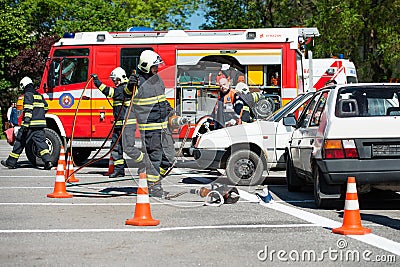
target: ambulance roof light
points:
(251, 35)
(101, 37)
(69, 35)
(139, 29)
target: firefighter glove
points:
(133, 80)
(96, 80)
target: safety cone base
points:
(59, 191)
(351, 231)
(59, 195)
(144, 221)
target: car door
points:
(284, 133)
(310, 133)
(297, 144)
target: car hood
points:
(244, 133)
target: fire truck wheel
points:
(244, 167)
(80, 155)
(53, 141)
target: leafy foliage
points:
(366, 31)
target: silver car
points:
(346, 130)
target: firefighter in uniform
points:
(227, 109)
(121, 102)
(32, 127)
(247, 100)
(152, 110)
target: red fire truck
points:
(194, 62)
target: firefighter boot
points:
(8, 165)
(117, 174)
(156, 190)
(48, 165)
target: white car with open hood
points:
(246, 151)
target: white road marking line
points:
(165, 229)
(371, 239)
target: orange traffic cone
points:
(351, 217)
(69, 174)
(61, 159)
(142, 215)
(60, 190)
(110, 166)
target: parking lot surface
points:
(89, 228)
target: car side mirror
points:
(290, 120)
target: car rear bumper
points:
(375, 171)
(208, 158)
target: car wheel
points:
(320, 202)
(245, 167)
(294, 183)
(80, 155)
(53, 142)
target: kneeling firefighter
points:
(152, 109)
(121, 102)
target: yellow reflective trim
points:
(38, 97)
(131, 121)
(38, 105)
(14, 155)
(127, 103)
(119, 162)
(153, 126)
(150, 100)
(38, 122)
(44, 151)
(153, 178)
(246, 108)
(102, 87)
(140, 158)
(27, 114)
(162, 171)
(28, 106)
(111, 92)
(127, 91)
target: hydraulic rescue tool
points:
(230, 195)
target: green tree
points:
(366, 31)
(13, 38)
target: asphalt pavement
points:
(89, 228)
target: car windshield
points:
(368, 101)
(288, 108)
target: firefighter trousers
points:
(23, 137)
(117, 153)
(168, 150)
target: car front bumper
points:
(208, 158)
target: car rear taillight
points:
(340, 149)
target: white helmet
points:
(24, 82)
(242, 88)
(149, 58)
(118, 73)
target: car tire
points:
(322, 203)
(293, 181)
(53, 141)
(244, 167)
(80, 155)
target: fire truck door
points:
(104, 61)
